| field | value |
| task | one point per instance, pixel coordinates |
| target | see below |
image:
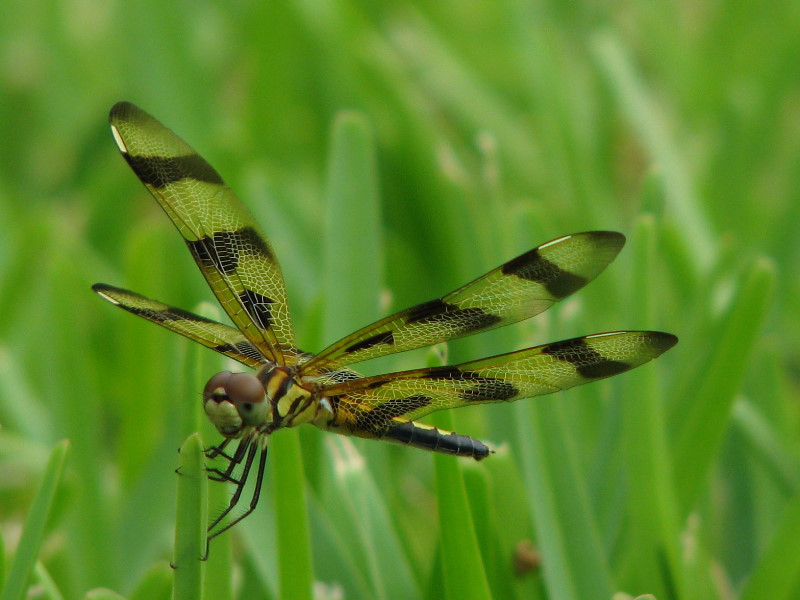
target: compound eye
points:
(219, 408)
(216, 388)
(248, 395)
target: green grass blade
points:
(363, 519)
(512, 530)
(220, 565)
(352, 212)
(778, 568)
(767, 444)
(574, 565)
(45, 581)
(463, 570)
(652, 126)
(653, 516)
(295, 570)
(191, 521)
(33, 533)
(706, 420)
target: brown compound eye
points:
(234, 401)
(216, 389)
(248, 395)
(219, 408)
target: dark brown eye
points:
(219, 408)
(247, 394)
(216, 388)
(233, 401)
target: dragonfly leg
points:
(233, 461)
(249, 446)
(237, 494)
(253, 448)
(218, 450)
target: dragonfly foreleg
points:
(227, 475)
(218, 450)
(240, 488)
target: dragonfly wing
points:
(211, 334)
(521, 288)
(223, 236)
(373, 404)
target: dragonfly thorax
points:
(267, 401)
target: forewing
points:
(372, 404)
(224, 238)
(211, 334)
(519, 289)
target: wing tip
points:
(614, 238)
(120, 108)
(608, 237)
(122, 112)
(608, 241)
(105, 292)
(665, 341)
(657, 341)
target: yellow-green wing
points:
(211, 334)
(368, 407)
(519, 289)
(223, 236)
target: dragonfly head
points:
(234, 401)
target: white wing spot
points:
(554, 242)
(599, 335)
(107, 297)
(118, 140)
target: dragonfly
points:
(288, 387)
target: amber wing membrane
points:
(371, 405)
(223, 236)
(211, 334)
(517, 290)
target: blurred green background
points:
(483, 129)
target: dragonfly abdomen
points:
(428, 437)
